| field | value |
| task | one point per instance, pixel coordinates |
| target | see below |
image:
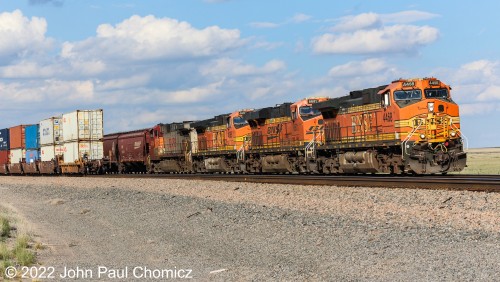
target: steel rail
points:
(485, 183)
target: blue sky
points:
(152, 61)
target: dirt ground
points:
(243, 231)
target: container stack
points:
(50, 138)
(82, 135)
(17, 141)
(4, 150)
(32, 143)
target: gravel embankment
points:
(260, 231)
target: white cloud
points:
(361, 21)
(150, 38)
(477, 109)
(374, 20)
(228, 67)
(296, 19)
(299, 18)
(134, 81)
(195, 94)
(407, 16)
(359, 68)
(27, 69)
(370, 33)
(332, 92)
(390, 39)
(264, 25)
(477, 71)
(490, 94)
(51, 92)
(21, 35)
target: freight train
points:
(410, 126)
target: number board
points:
(312, 101)
(434, 82)
(408, 83)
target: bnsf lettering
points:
(362, 123)
(275, 129)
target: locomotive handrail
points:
(461, 134)
(403, 144)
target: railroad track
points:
(485, 183)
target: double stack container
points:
(32, 144)
(82, 135)
(50, 138)
(4, 150)
(17, 142)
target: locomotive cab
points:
(427, 123)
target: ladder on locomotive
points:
(240, 154)
(310, 149)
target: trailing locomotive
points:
(409, 126)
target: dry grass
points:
(4, 228)
(483, 161)
(16, 251)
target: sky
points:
(158, 61)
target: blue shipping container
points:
(32, 136)
(32, 155)
(4, 139)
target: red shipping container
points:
(17, 137)
(4, 157)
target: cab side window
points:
(385, 99)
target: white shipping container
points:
(77, 149)
(47, 153)
(83, 125)
(16, 155)
(51, 131)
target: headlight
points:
(430, 106)
(453, 134)
(422, 136)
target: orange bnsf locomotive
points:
(408, 126)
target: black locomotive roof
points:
(215, 121)
(282, 110)
(355, 98)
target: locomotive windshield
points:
(441, 93)
(239, 122)
(308, 111)
(413, 94)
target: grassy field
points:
(483, 161)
